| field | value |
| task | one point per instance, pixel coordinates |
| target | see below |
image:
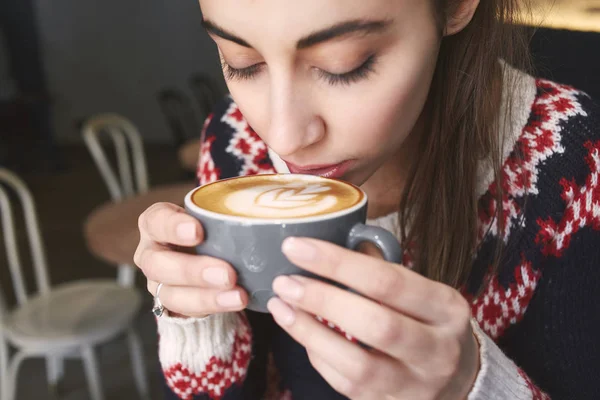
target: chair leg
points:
(90, 364)
(126, 275)
(137, 362)
(12, 374)
(55, 371)
(3, 368)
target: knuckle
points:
(459, 309)
(142, 221)
(208, 304)
(315, 300)
(387, 285)
(148, 263)
(154, 222)
(386, 331)
(444, 295)
(363, 371)
(313, 360)
(335, 262)
(447, 366)
(451, 301)
(191, 271)
(146, 216)
(349, 388)
(137, 255)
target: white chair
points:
(122, 182)
(62, 321)
(111, 230)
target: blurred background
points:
(101, 107)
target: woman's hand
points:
(193, 285)
(419, 332)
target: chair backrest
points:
(129, 149)
(11, 187)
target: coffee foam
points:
(277, 196)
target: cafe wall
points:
(115, 55)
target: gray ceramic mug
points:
(253, 246)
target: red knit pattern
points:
(536, 393)
(218, 375)
(541, 139)
(583, 208)
(337, 329)
(246, 145)
(207, 171)
(497, 307)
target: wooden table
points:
(111, 230)
(577, 15)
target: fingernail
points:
(288, 288)
(283, 314)
(229, 299)
(216, 276)
(299, 249)
(186, 231)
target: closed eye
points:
(346, 78)
(240, 73)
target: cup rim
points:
(189, 204)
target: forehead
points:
(261, 20)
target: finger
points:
(364, 370)
(193, 302)
(160, 264)
(397, 287)
(380, 327)
(337, 381)
(169, 224)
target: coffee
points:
(277, 196)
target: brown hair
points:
(439, 207)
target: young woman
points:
(488, 176)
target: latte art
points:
(277, 196)
(281, 201)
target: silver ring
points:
(158, 308)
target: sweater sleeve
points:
(499, 378)
(204, 356)
(211, 358)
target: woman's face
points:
(334, 87)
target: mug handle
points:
(385, 241)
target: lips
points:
(326, 171)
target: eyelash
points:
(347, 78)
(240, 73)
(356, 75)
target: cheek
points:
(378, 118)
(252, 98)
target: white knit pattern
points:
(192, 342)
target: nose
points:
(294, 124)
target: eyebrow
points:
(336, 31)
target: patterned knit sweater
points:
(537, 319)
